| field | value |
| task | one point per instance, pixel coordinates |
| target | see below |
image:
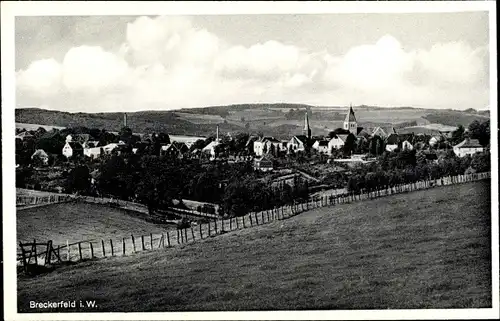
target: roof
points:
(343, 137)
(268, 139)
(211, 145)
(392, 139)
(350, 116)
(75, 145)
(322, 142)
(40, 153)
(24, 134)
(469, 143)
(301, 138)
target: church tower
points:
(307, 128)
(350, 122)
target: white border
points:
(11, 9)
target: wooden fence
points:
(84, 250)
(28, 201)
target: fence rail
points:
(92, 249)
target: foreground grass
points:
(427, 249)
(78, 222)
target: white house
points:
(92, 152)
(297, 143)
(41, 155)
(263, 145)
(210, 149)
(72, 149)
(434, 140)
(406, 145)
(391, 142)
(337, 142)
(468, 147)
(321, 146)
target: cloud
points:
(42, 77)
(166, 63)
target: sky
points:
(131, 63)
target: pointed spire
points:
(217, 137)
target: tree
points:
(458, 135)
(78, 180)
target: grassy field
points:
(78, 222)
(426, 249)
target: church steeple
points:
(307, 128)
(350, 122)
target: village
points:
(310, 163)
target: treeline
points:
(155, 182)
(411, 166)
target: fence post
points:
(250, 216)
(215, 226)
(186, 234)
(230, 223)
(133, 243)
(201, 231)
(209, 228)
(80, 250)
(112, 249)
(237, 223)
(103, 249)
(151, 240)
(68, 251)
(168, 239)
(91, 247)
(142, 243)
(123, 246)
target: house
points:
(265, 144)
(175, 149)
(92, 152)
(406, 141)
(435, 140)
(78, 138)
(211, 149)
(391, 142)
(468, 147)
(297, 143)
(91, 144)
(41, 155)
(71, 149)
(383, 132)
(24, 135)
(321, 146)
(263, 164)
(337, 142)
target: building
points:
(92, 152)
(263, 164)
(175, 149)
(78, 138)
(72, 149)
(265, 145)
(212, 148)
(468, 147)
(24, 135)
(391, 142)
(41, 155)
(321, 146)
(350, 122)
(337, 142)
(297, 144)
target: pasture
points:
(425, 249)
(78, 222)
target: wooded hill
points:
(280, 120)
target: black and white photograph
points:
(262, 161)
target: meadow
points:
(425, 249)
(79, 222)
